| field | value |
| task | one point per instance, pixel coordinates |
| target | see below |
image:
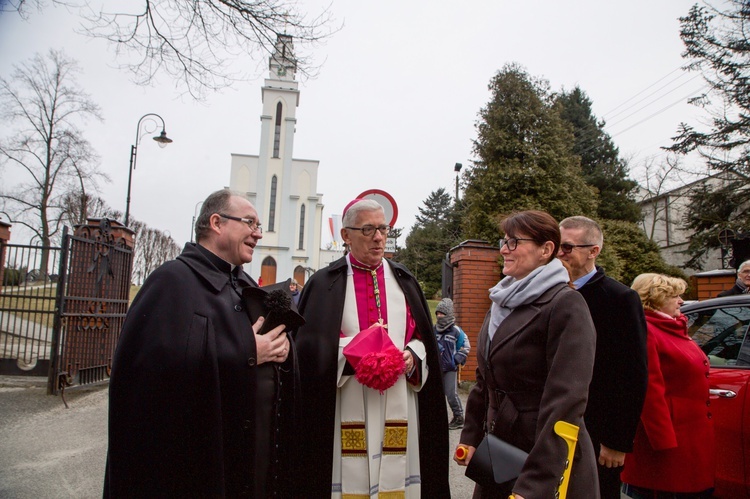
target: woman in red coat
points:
(673, 454)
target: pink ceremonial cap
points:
(349, 205)
(374, 339)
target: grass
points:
(432, 304)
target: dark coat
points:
(322, 304)
(674, 447)
(182, 405)
(618, 385)
(734, 290)
(542, 356)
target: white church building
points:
(283, 189)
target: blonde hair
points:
(656, 289)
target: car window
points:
(721, 334)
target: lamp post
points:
(195, 215)
(457, 169)
(162, 139)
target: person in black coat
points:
(199, 405)
(618, 385)
(742, 285)
(331, 321)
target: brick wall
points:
(475, 271)
(708, 286)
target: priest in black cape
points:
(362, 435)
(200, 405)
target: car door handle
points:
(727, 394)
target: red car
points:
(720, 327)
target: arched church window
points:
(272, 207)
(301, 227)
(277, 131)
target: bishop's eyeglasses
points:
(369, 230)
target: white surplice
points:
(364, 469)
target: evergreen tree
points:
(433, 235)
(717, 44)
(525, 158)
(600, 161)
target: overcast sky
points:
(396, 101)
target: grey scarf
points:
(510, 292)
(445, 322)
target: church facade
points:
(283, 189)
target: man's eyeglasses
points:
(369, 230)
(512, 242)
(568, 248)
(250, 222)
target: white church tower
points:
(282, 189)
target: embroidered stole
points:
(373, 426)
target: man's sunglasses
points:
(568, 248)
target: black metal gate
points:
(28, 298)
(65, 326)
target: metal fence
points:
(28, 296)
(62, 308)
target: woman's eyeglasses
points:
(512, 242)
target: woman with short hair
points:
(535, 358)
(673, 452)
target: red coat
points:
(674, 445)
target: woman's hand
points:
(463, 454)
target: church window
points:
(301, 227)
(277, 132)
(272, 207)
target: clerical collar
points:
(373, 271)
(361, 266)
(218, 262)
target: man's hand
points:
(409, 361)
(610, 458)
(272, 346)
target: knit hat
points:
(445, 306)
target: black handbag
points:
(495, 462)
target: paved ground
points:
(48, 451)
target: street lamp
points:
(457, 169)
(195, 215)
(162, 139)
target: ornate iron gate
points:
(94, 297)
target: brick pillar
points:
(4, 238)
(475, 271)
(709, 284)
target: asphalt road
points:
(48, 451)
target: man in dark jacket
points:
(618, 385)
(742, 285)
(199, 402)
(363, 436)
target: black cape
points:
(322, 305)
(182, 407)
